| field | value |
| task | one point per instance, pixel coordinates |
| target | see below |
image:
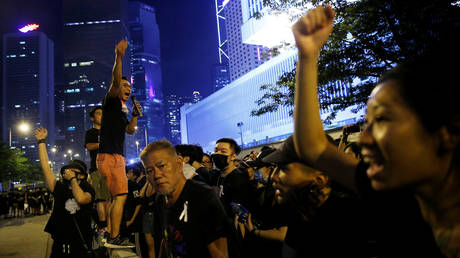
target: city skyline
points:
(82, 76)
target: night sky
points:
(187, 30)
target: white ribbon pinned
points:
(184, 215)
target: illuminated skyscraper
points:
(242, 57)
(91, 31)
(145, 61)
(220, 76)
(174, 104)
(28, 89)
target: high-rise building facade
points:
(145, 65)
(174, 105)
(28, 89)
(242, 57)
(227, 112)
(220, 76)
(221, 71)
(91, 31)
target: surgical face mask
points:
(188, 170)
(220, 160)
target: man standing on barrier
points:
(110, 160)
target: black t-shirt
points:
(132, 200)
(395, 222)
(194, 221)
(61, 225)
(334, 229)
(235, 187)
(92, 136)
(113, 126)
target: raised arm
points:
(311, 33)
(115, 86)
(50, 179)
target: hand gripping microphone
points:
(135, 105)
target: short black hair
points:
(124, 78)
(137, 168)
(232, 143)
(93, 110)
(194, 152)
(205, 154)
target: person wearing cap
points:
(265, 226)
(72, 206)
(324, 219)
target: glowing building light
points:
(151, 92)
(29, 27)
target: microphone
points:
(135, 105)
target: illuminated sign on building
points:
(29, 27)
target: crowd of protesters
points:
(25, 202)
(394, 193)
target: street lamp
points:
(240, 125)
(23, 127)
(53, 150)
(70, 154)
(137, 148)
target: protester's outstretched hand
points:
(312, 30)
(120, 48)
(40, 133)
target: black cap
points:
(284, 155)
(259, 163)
(81, 163)
(74, 165)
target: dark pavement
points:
(24, 237)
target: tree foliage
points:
(369, 38)
(16, 167)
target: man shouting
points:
(110, 160)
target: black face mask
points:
(220, 160)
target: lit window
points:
(86, 63)
(74, 64)
(66, 65)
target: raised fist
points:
(312, 30)
(120, 48)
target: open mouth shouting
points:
(375, 160)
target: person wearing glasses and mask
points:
(70, 220)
